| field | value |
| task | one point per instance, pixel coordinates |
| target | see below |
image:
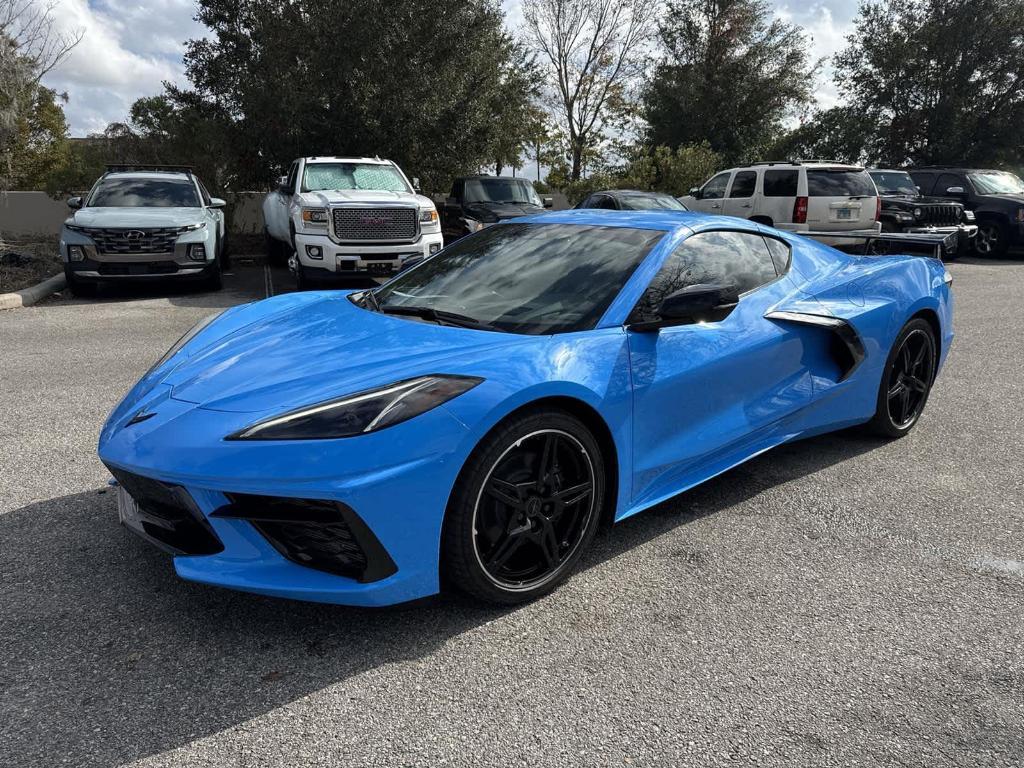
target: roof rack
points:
(126, 167)
(778, 162)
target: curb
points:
(29, 296)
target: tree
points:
(942, 81)
(593, 53)
(730, 74)
(40, 146)
(434, 86)
(840, 133)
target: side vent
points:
(846, 347)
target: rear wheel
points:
(906, 381)
(992, 238)
(276, 254)
(524, 508)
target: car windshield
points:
(650, 203)
(498, 190)
(336, 176)
(894, 183)
(144, 193)
(839, 182)
(997, 183)
(525, 278)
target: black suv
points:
(905, 209)
(995, 197)
(478, 201)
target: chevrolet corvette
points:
(472, 422)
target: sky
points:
(130, 47)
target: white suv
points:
(809, 196)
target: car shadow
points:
(109, 657)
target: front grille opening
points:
(380, 224)
(146, 268)
(132, 241)
(321, 534)
(169, 516)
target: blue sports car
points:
(474, 420)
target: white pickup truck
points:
(338, 216)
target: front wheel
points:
(78, 288)
(992, 239)
(906, 381)
(524, 509)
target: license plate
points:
(844, 213)
(380, 267)
(127, 507)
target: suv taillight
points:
(878, 209)
(800, 211)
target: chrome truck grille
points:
(380, 224)
(133, 240)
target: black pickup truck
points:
(479, 201)
(905, 209)
(995, 197)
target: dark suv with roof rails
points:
(995, 197)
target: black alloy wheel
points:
(991, 239)
(907, 381)
(525, 508)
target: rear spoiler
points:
(882, 243)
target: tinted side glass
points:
(606, 203)
(291, 176)
(743, 185)
(923, 180)
(204, 193)
(739, 258)
(780, 252)
(781, 183)
(946, 181)
(825, 182)
(715, 189)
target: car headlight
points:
(192, 227)
(191, 334)
(362, 412)
(473, 225)
(314, 216)
(917, 213)
(428, 216)
(968, 215)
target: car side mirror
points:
(706, 301)
(549, 202)
(282, 184)
(695, 193)
(416, 184)
(955, 191)
(74, 202)
(217, 202)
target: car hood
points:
(1018, 199)
(136, 217)
(374, 197)
(322, 348)
(500, 211)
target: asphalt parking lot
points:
(839, 601)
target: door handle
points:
(717, 205)
(748, 205)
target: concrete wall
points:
(25, 214)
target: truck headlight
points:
(917, 213)
(968, 215)
(316, 217)
(428, 216)
(362, 412)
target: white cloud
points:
(827, 24)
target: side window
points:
(743, 184)
(781, 254)
(291, 176)
(740, 258)
(924, 181)
(457, 189)
(781, 183)
(203, 192)
(606, 203)
(946, 181)
(715, 189)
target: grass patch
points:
(25, 262)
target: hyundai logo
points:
(135, 234)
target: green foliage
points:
(840, 133)
(37, 151)
(939, 81)
(441, 89)
(730, 75)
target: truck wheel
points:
(274, 250)
(992, 238)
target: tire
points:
(302, 281)
(992, 239)
(906, 380)
(524, 509)
(215, 280)
(79, 289)
(274, 249)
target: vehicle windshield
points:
(498, 190)
(650, 203)
(997, 183)
(336, 176)
(144, 193)
(839, 182)
(525, 278)
(894, 183)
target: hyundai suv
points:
(144, 223)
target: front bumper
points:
(361, 258)
(401, 502)
(965, 234)
(97, 265)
